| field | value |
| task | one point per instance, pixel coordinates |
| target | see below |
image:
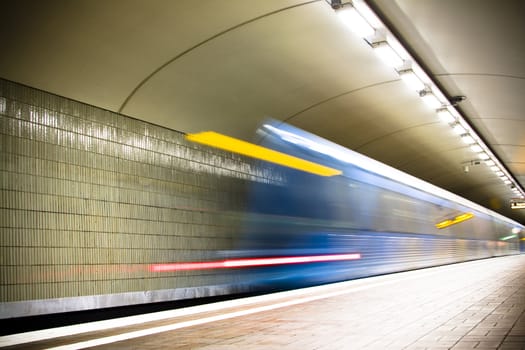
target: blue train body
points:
(390, 220)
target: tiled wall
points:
(90, 198)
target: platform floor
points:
(473, 305)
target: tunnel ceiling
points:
(225, 65)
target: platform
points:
(473, 305)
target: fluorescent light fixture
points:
(355, 22)
(458, 129)
(430, 99)
(362, 20)
(469, 140)
(483, 156)
(445, 115)
(367, 13)
(411, 79)
(398, 48)
(454, 112)
(476, 148)
(387, 53)
(440, 96)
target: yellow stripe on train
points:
(227, 143)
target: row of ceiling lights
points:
(364, 22)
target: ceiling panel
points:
(274, 67)
(473, 48)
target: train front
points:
(295, 227)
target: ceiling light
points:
(507, 182)
(430, 99)
(355, 22)
(476, 148)
(494, 168)
(398, 48)
(362, 20)
(469, 140)
(454, 112)
(458, 129)
(445, 115)
(483, 156)
(500, 173)
(387, 53)
(367, 13)
(440, 96)
(411, 79)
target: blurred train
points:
(360, 218)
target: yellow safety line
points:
(213, 139)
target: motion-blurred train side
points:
(369, 220)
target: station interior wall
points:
(90, 199)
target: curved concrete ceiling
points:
(225, 65)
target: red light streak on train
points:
(251, 262)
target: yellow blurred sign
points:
(456, 220)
